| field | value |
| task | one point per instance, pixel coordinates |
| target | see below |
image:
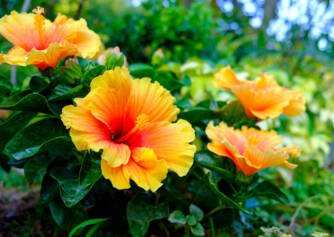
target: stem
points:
(187, 229)
(25, 7)
(213, 211)
(294, 217)
(212, 228)
(78, 13)
(13, 75)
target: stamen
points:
(39, 25)
(142, 121)
(38, 10)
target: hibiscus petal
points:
(153, 100)
(86, 131)
(16, 56)
(108, 99)
(50, 56)
(118, 176)
(296, 105)
(226, 79)
(146, 170)
(115, 154)
(170, 142)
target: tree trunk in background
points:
(270, 7)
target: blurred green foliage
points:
(195, 45)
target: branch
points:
(294, 217)
(78, 13)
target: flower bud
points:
(102, 59)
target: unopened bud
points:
(102, 59)
(158, 57)
(73, 59)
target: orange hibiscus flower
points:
(38, 41)
(131, 122)
(263, 97)
(251, 150)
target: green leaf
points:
(14, 123)
(66, 218)
(184, 103)
(207, 161)
(233, 114)
(91, 71)
(268, 190)
(35, 168)
(71, 191)
(177, 217)
(38, 83)
(90, 170)
(229, 201)
(167, 80)
(191, 220)
(26, 102)
(185, 81)
(197, 114)
(58, 213)
(196, 212)
(86, 223)
(5, 86)
(64, 92)
(140, 212)
(49, 189)
(197, 230)
(92, 230)
(140, 70)
(38, 137)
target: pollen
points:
(38, 10)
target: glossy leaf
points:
(38, 83)
(5, 86)
(26, 102)
(66, 218)
(140, 70)
(71, 191)
(196, 212)
(86, 223)
(38, 137)
(197, 230)
(191, 220)
(269, 190)
(90, 72)
(90, 171)
(140, 212)
(12, 125)
(224, 197)
(64, 92)
(49, 189)
(35, 168)
(167, 80)
(197, 114)
(233, 114)
(207, 161)
(177, 217)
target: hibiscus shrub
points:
(123, 149)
